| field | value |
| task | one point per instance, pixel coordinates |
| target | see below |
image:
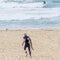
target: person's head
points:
(25, 34)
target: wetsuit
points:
(27, 44)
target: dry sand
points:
(46, 44)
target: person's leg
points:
(25, 49)
(29, 50)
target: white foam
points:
(21, 5)
(28, 13)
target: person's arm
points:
(23, 43)
(31, 44)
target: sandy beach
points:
(46, 44)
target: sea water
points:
(13, 16)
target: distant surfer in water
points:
(27, 44)
(44, 2)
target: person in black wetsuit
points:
(44, 2)
(28, 44)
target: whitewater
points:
(29, 14)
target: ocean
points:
(29, 14)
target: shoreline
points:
(29, 29)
